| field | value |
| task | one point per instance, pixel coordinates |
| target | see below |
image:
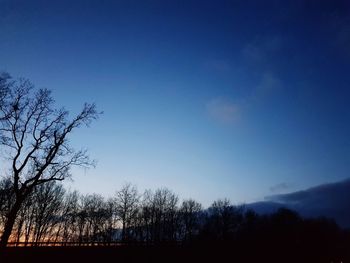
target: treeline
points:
(53, 214)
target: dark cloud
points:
(327, 194)
(329, 200)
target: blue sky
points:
(237, 99)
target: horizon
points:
(211, 100)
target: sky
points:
(212, 99)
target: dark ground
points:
(198, 253)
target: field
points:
(170, 253)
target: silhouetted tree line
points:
(54, 214)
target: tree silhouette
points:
(223, 220)
(35, 136)
(38, 218)
(126, 204)
(189, 213)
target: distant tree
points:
(81, 218)
(35, 136)
(48, 201)
(126, 205)
(109, 224)
(224, 219)
(97, 216)
(38, 217)
(146, 217)
(190, 213)
(164, 215)
(67, 229)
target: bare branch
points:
(36, 135)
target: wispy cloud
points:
(227, 111)
(223, 110)
(258, 51)
(269, 83)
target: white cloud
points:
(223, 110)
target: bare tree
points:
(25, 220)
(81, 217)
(109, 222)
(6, 199)
(190, 212)
(4, 89)
(48, 199)
(224, 218)
(38, 218)
(146, 216)
(35, 136)
(96, 217)
(126, 203)
(163, 215)
(67, 228)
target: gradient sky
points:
(212, 99)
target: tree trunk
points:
(11, 218)
(123, 231)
